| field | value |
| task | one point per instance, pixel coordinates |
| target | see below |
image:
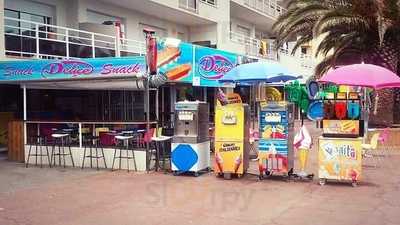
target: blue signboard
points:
(212, 65)
(179, 61)
(40, 70)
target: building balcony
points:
(262, 13)
(185, 12)
(28, 39)
(268, 7)
(252, 47)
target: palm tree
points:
(352, 31)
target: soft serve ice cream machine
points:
(276, 138)
(232, 123)
(190, 151)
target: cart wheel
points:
(354, 183)
(322, 182)
(227, 176)
(290, 172)
(196, 174)
(260, 177)
(267, 173)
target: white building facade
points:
(239, 26)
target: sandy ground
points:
(76, 197)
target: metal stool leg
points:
(104, 158)
(63, 151)
(53, 157)
(127, 159)
(120, 155)
(134, 159)
(70, 153)
(91, 156)
(59, 153)
(41, 156)
(36, 150)
(29, 155)
(115, 154)
(84, 157)
(48, 156)
(97, 158)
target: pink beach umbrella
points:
(363, 75)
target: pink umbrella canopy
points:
(363, 75)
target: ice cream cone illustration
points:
(262, 156)
(238, 161)
(219, 162)
(272, 151)
(303, 154)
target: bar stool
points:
(38, 142)
(92, 143)
(122, 144)
(61, 140)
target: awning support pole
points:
(25, 113)
(147, 108)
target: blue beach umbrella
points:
(258, 72)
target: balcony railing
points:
(28, 39)
(305, 60)
(269, 7)
(252, 46)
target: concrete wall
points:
(132, 19)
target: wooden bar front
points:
(16, 141)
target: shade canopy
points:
(258, 72)
(364, 75)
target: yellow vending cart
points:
(339, 159)
(340, 144)
(231, 137)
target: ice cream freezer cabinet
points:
(190, 149)
(231, 139)
(276, 137)
(339, 159)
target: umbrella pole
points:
(365, 115)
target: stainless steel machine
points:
(190, 150)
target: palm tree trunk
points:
(386, 56)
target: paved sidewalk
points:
(77, 197)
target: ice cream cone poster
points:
(275, 152)
(174, 59)
(228, 157)
(340, 159)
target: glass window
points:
(188, 4)
(26, 28)
(11, 26)
(211, 2)
(243, 30)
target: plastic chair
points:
(383, 139)
(101, 129)
(372, 146)
(254, 136)
(147, 137)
